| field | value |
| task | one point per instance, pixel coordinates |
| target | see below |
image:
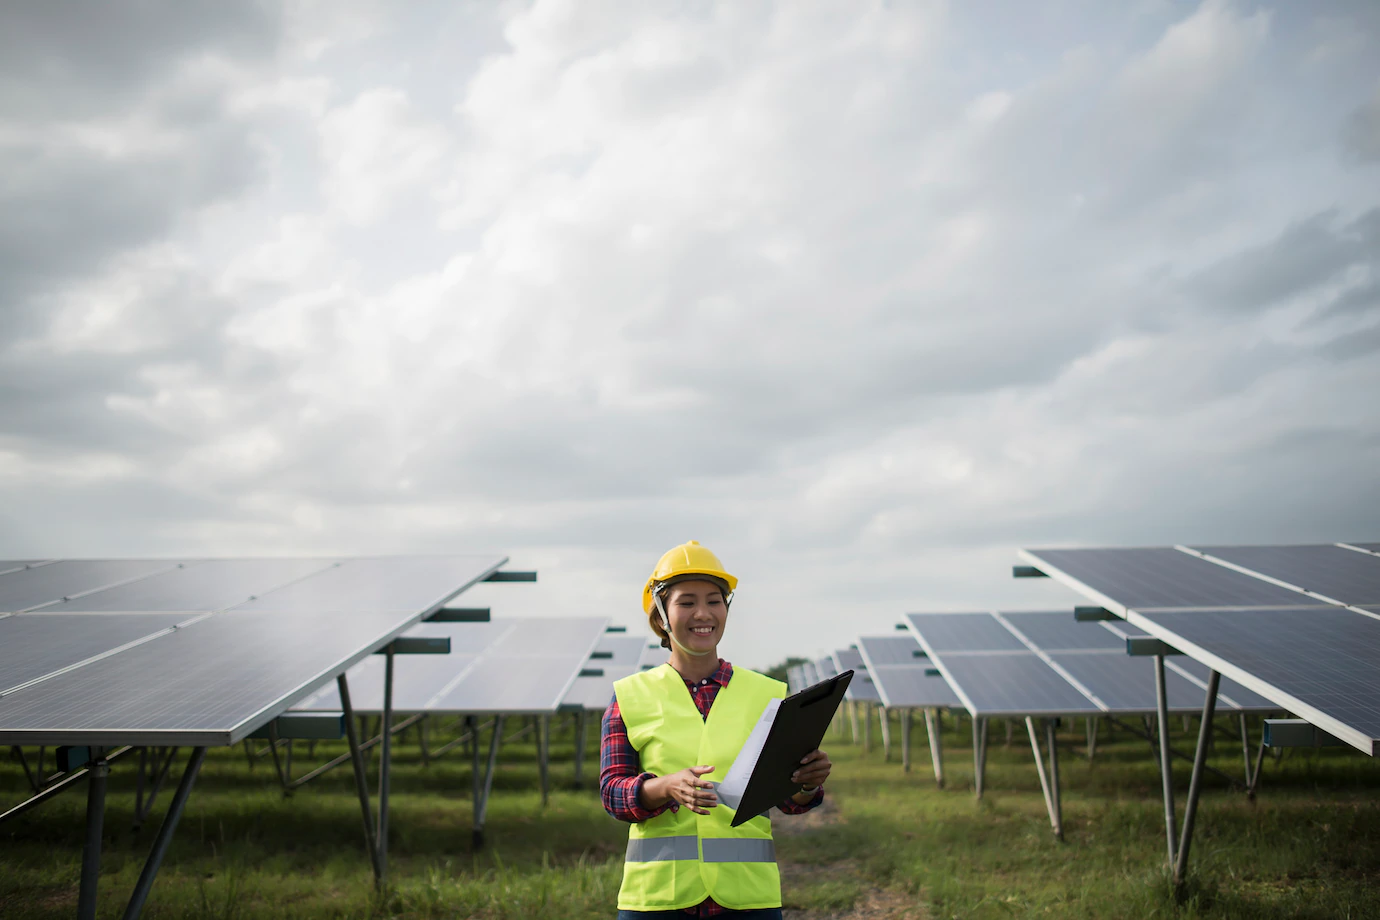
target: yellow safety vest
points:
(679, 858)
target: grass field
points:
(887, 844)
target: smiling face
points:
(698, 614)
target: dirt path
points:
(875, 904)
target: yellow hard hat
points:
(685, 560)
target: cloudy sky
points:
(864, 296)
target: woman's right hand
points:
(685, 787)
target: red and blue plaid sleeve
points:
(789, 807)
(620, 771)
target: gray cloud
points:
(863, 298)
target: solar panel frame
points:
(399, 584)
(1326, 569)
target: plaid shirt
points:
(621, 776)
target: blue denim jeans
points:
(765, 913)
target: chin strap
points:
(666, 625)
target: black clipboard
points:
(799, 727)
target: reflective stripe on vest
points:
(716, 849)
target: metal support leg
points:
(1092, 738)
(1246, 749)
(139, 787)
(885, 721)
(1166, 773)
(91, 849)
(581, 718)
(544, 756)
(936, 749)
(1052, 738)
(905, 740)
(385, 762)
(18, 753)
(853, 719)
(476, 779)
(1255, 774)
(867, 728)
(361, 781)
(482, 799)
(979, 755)
(1195, 785)
(165, 834)
(1044, 780)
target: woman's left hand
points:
(813, 771)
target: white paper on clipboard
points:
(731, 790)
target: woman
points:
(670, 732)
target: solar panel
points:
(32, 644)
(807, 674)
(900, 675)
(1127, 685)
(1015, 684)
(626, 651)
(401, 584)
(824, 667)
(861, 689)
(1244, 697)
(595, 693)
(210, 683)
(1372, 547)
(1342, 574)
(1320, 664)
(1164, 578)
(416, 678)
(213, 584)
(964, 631)
(48, 583)
(1051, 631)
(527, 670)
(653, 656)
(900, 648)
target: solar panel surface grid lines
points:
(974, 632)
(1341, 574)
(1059, 631)
(410, 584)
(211, 584)
(210, 683)
(34, 644)
(528, 670)
(1156, 578)
(48, 583)
(1325, 659)
(1015, 683)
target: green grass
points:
(889, 844)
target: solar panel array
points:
(863, 687)
(898, 664)
(1048, 664)
(196, 652)
(1290, 623)
(594, 692)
